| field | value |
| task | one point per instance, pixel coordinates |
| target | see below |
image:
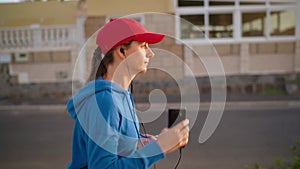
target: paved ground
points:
(203, 98)
(40, 138)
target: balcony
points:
(30, 49)
(38, 38)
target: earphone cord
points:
(142, 124)
(180, 150)
(129, 73)
(179, 159)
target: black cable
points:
(180, 150)
(142, 124)
(131, 88)
(145, 132)
(179, 159)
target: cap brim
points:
(149, 37)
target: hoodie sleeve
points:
(102, 148)
(100, 158)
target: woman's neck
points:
(122, 78)
(124, 82)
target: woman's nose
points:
(149, 53)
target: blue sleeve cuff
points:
(154, 151)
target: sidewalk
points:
(232, 102)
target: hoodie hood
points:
(90, 90)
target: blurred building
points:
(39, 44)
(258, 41)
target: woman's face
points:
(137, 56)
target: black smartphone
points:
(175, 116)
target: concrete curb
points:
(263, 104)
(234, 105)
(57, 107)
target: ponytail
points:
(100, 64)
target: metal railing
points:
(38, 37)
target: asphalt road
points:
(42, 139)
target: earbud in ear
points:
(122, 51)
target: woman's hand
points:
(173, 138)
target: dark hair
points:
(99, 65)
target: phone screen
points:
(175, 116)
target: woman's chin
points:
(144, 70)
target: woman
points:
(106, 131)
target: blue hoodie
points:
(106, 131)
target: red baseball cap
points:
(121, 30)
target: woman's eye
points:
(145, 45)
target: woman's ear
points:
(120, 51)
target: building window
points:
(282, 23)
(285, 2)
(220, 26)
(253, 24)
(183, 3)
(252, 3)
(223, 20)
(220, 3)
(192, 26)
